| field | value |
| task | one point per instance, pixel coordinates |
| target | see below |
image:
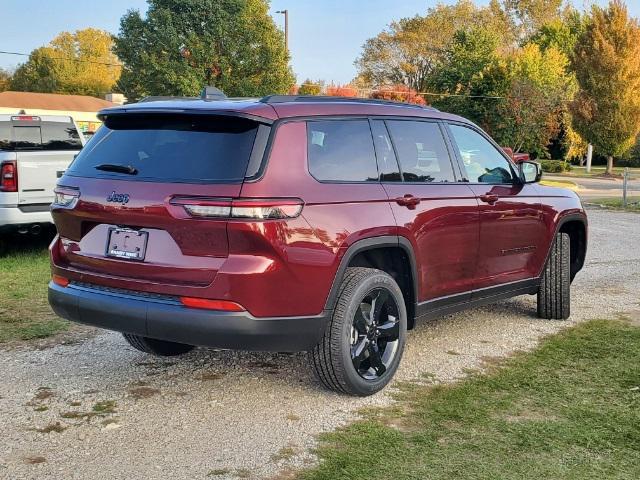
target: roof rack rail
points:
(270, 99)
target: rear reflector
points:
(8, 176)
(249, 209)
(206, 304)
(61, 281)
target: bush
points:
(398, 93)
(555, 166)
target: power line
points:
(64, 58)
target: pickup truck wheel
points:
(554, 295)
(161, 348)
(364, 340)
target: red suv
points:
(302, 224)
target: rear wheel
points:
(161, 348)
(554, 295)
(364, 341)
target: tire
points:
(378, 334)
(161, 348)
(554, 294)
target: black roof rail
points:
(271, 99)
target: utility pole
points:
(286, 27)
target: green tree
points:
(529, 15)
(5, 79)
(183, 45)
(309, 87)
(75, 63)
(411, 49)
(468, 76)
(606, 110)
(531, 115)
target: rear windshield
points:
(39, 135)
(171, 148)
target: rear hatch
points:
(42, 147)
(135, 181)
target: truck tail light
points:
(65, 197)
(247, 209)
(9, 176)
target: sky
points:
(326, 36)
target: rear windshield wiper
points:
(109, 167)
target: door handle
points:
(408, 201)
(489, 198)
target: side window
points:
(341, 150)
(422, 151)
(387, 163)
(483, 162)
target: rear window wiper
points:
(110, 167)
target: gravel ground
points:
(99, 409)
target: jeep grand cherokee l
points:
(302, 224)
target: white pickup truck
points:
(34, 152)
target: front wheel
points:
(554, 294)
(364, 340)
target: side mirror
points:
(530, 172)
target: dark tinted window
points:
(387, 163)
(60, 136)
(341, 150)
(482, 161)
(27, 138)
(172, 148)
(37, 135)
(422, 151)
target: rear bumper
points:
(166, 319)
(13, 217)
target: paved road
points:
(233, 413)
(591, 188)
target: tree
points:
(398, 93)
(531, 115)
(529, 15)
(5, 79)
(183, 45)
(468, 76)
(411, 49)
(342, 91)
(606, 110)
(75, 63)
(309, 87)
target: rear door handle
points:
(489, 198)
(408, 201)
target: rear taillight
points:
(247, 209)
(9, 176)
(65, 197)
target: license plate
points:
(127, 244)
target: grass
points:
(633, 203)
(570, 410)
(24, 311)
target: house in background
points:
(82, 108)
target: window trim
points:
(452, 159)
(514, 171)
(338, 119)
